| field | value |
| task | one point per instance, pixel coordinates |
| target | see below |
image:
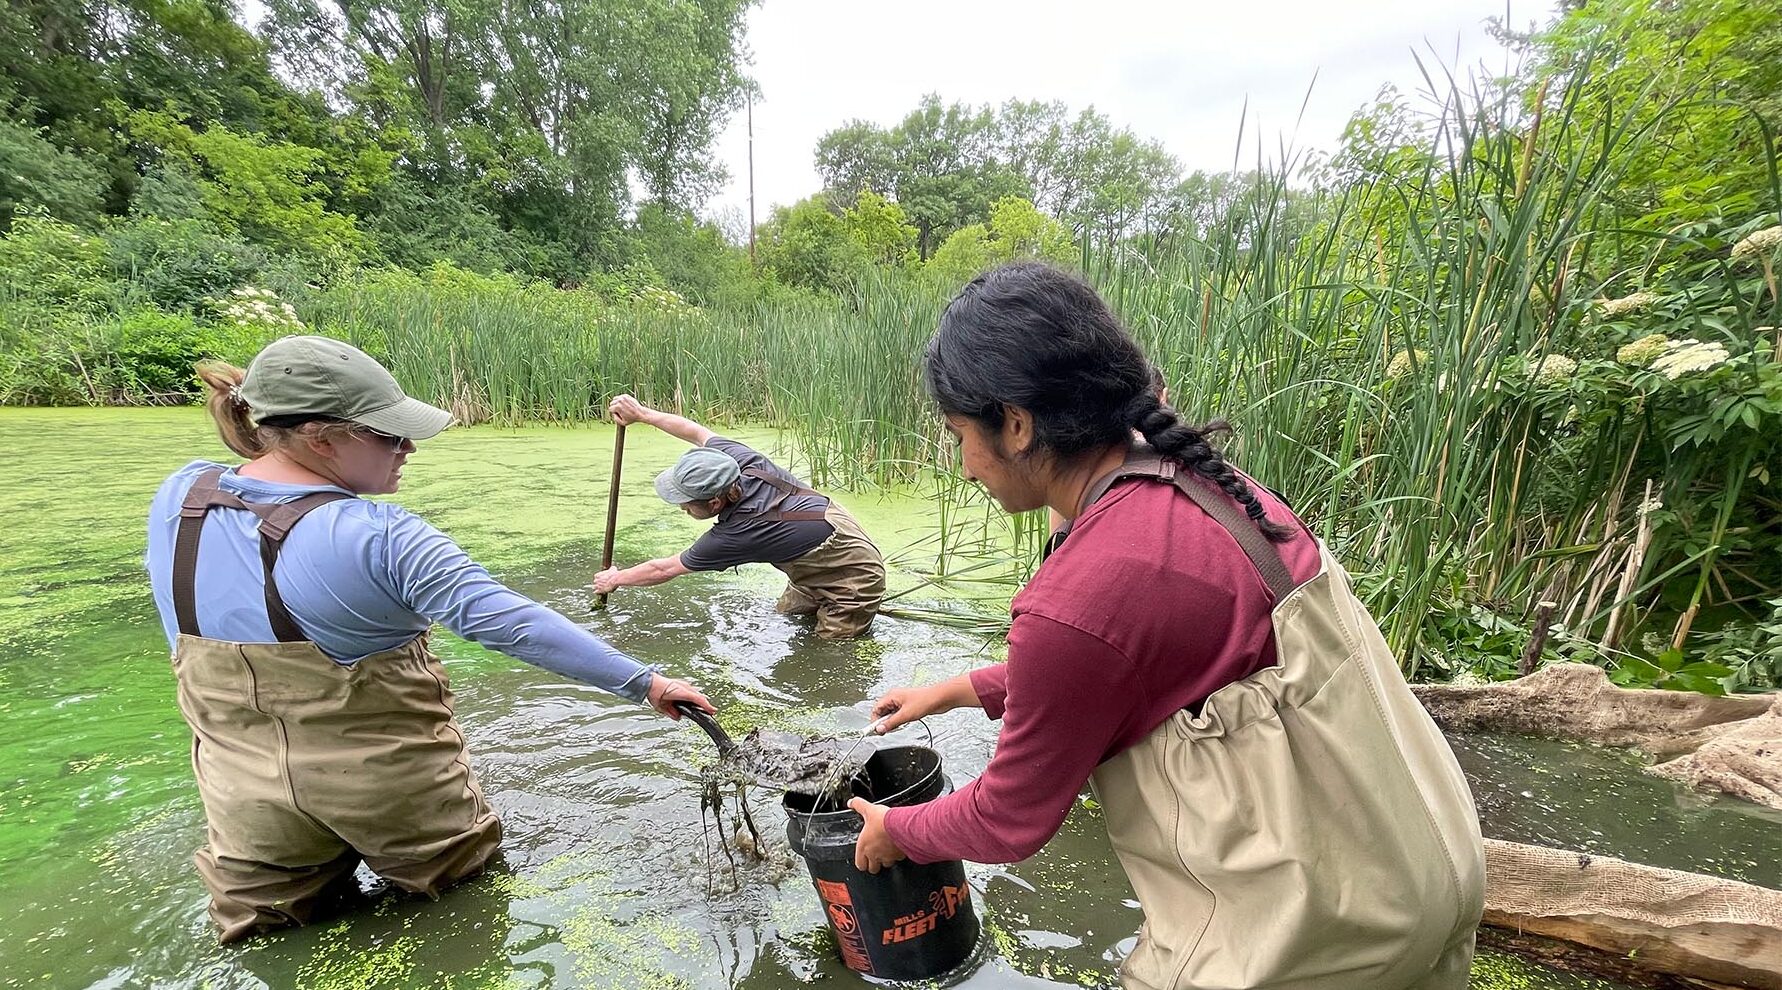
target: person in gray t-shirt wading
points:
(764, 515)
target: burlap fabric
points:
(1728, 745)
(1667, 921)
(1577, 701)
(1742, 758)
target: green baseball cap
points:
(701, 475)
(320, 376)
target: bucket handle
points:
(927, 729)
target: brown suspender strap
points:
(185, 550)
(276, 520)
(793, 515)
(786, 488)
(1263, 554)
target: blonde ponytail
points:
(230, 410)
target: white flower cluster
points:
(1401, 363)
(1552, 369)
(1684, 356)
(1758, 244)
(666, 300)
(251, 307)
(1644, 351)
(1626, 305)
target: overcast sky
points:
(1179, 72)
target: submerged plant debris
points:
(824, 769)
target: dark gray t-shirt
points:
(741, 538)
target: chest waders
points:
(1308, 828)
(306, 766)
(842, 581)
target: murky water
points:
(610, 877)
(1592, 799)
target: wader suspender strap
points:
(276, 520)
(772, 513)
(1224, 511)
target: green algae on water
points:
(1501, 971)
(615, 945)
(97, 797)
(340, 962)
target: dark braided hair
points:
(1033, 336)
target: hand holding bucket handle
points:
(875, 850)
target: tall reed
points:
(1382, 349)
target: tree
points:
(40, 176)
(1022, 231)
(534, 112)
(856, 157)
(880, 227)
(946, 165)
(1017, 229)
(686, 108)
(268, 190)
(807, 244)
(937, 164)
(416, 223)
(693, 258)
(1706, 73)
(75, 69)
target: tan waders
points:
(842, 581)
(307, 766)
(1308, 827)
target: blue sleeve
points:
(439, 580)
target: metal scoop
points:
(779, 758)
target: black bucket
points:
(908, 921)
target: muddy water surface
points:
(1594, 799)
(610, 879)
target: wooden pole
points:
(612, 505)
(1531, 654)
(751, 183)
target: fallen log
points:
(1742, 758)
(1577, 701)
(1723, 745)
(1664, 922)
(1570, 957)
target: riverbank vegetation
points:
(1511, 345)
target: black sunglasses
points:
(395, 442)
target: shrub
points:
(152, 354)
(40, 176)
(176, 264)
(49, 264)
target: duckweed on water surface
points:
(604, 878)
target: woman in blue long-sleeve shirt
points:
(323, 732)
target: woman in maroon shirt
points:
(1190, 651)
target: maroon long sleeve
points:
(1146, 609)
